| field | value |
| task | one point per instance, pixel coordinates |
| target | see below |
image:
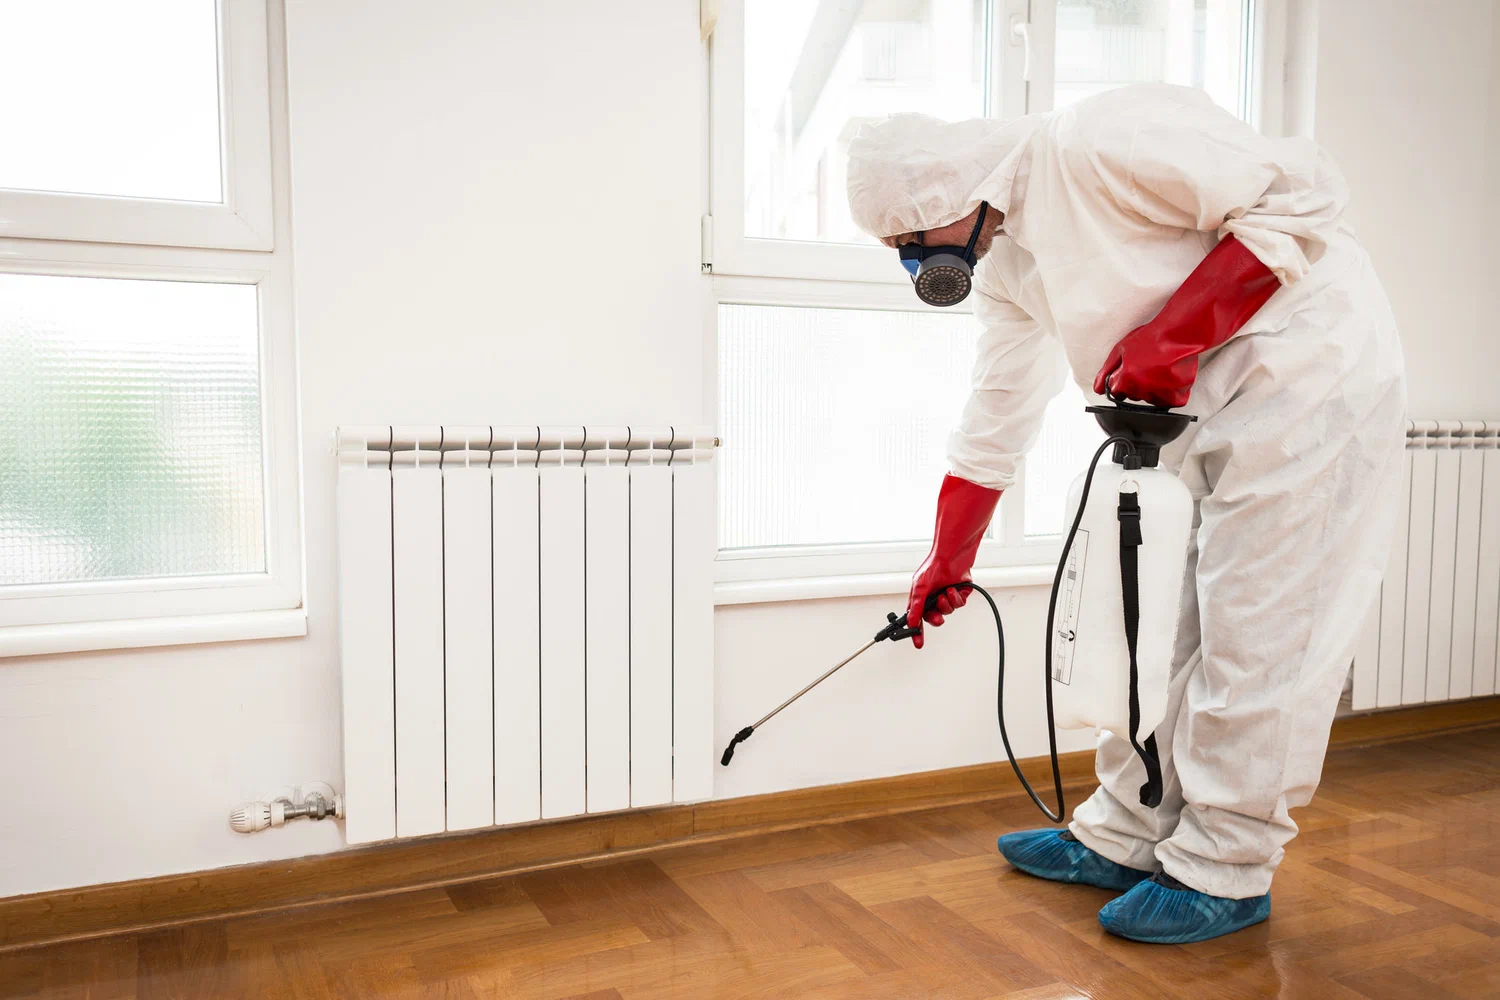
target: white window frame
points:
(45, 618)
(770, 272)
(242, 221)
(731, 251)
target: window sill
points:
(818, 588)
(77, 637)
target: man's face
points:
(954, 234)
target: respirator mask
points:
(943, 276)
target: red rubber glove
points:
(1158, 362)
(964, 510)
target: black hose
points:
(1062, 561)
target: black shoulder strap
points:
(1130, 593)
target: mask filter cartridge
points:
(944, 275)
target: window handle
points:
(1020, 34)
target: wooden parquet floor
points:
(1392, 890)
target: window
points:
(136, 92)
(148, 463)
(837, 389)
(1110, 43)
(136, 123)
(813, 74)
(823, 424)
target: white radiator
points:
(1432, 635)
(526, 623)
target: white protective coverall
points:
(1294, 463)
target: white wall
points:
(1492, 168)
(1406, 101)
(495, 213)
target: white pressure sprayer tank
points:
(1132, 500)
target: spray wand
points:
(895, 629)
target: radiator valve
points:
(311, 801)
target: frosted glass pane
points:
(1102, 44)
(130, 441)
(814, 72)
(836, 422)
(1067, 442)
(111, 98)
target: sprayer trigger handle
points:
(896, 628)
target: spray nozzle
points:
(739, 737)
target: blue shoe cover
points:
(1057, 855)
(1164, 911)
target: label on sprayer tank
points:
(1065, 618)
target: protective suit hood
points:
(910, 173)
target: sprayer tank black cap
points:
(1146, 427)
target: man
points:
(1172, 255)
